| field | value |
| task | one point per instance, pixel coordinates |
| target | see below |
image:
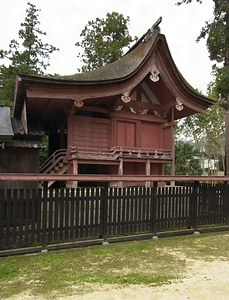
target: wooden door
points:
(126, 134)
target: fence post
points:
(103, 215)
(44, 217)
(194, 207)
(154, 209)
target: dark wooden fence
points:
(35, 219)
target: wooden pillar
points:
(62, 141)
(73, 169)
(147, 183)
(75, 172)
(120, 171)
(70, 131)
(173, 147)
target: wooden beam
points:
(95, 109)
(98, 177)
(137, 104)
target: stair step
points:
(61, 164)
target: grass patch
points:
(149, 262)
(8, 271)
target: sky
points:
(63, 22)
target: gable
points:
(146, 78)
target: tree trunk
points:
(226, 66)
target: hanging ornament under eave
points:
(179, 106)
(154, 76)
(126, 97)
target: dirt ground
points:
(203, 280)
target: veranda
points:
(34, 220)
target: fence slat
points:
(14, 219)
(2, 218)
(44, 216)
(66, 217)
(72, 211)
(155, 202)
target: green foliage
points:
(31, 56)
(216, 32)
(187, 160)
(8, 270)
(207, 132)
(104, 40)
(221, 85)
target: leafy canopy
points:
(187, 160)
(104, 40)
(207, 132)
(31, 56)
(216, 32)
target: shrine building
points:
(116, 120)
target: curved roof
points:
(119, 69)
(117, 78)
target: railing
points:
(53, 160)
(120, 152)
(101, 177)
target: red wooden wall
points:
(122, 129)
(90, 132)
(151, 135)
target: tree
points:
(187, 160)
(30, 57)
(207, 132)
(217, 33)
(104, 40)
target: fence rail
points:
(42, 219)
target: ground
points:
(203, 280)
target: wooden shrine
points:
(116, 120)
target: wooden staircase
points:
(57, 163)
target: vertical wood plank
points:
(20, 218)
(61, 213)
(2, 218)
(87, 201)
(77, 213)
(51, 213)
(13, 217)
(154, 205)
(38, 216)
(67, 215)
(44, 215)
